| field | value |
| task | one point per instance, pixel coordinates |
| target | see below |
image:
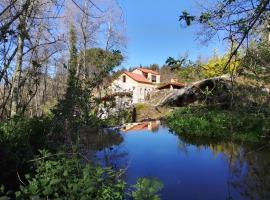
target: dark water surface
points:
(191, 168)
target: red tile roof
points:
(137, 77)
(176, 84)
(138, 127)
(148, 71)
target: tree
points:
(175, 64)
(237, 20)
(215, 66)
(99, 61)
(69, 102)
(25, 32)
(33, 58)
(75, 106)
(256, 62)
(183, 69)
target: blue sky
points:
(154, 33)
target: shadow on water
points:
(190, 168)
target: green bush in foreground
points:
(62, 177)
(223, 124)
(20, 139)
(72, 177)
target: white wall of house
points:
(139, 90)
(119, 86)
(158, 79)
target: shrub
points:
(21, 133)
(147, 189)
(217, 123)
(62, 177)
(66, 176)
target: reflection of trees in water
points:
(98, 140)
(115, 157)
(107, 143)
(248, 165)
(183, 147)
(254, 181)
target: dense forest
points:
(57, 58)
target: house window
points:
(154, 78)
(124, 79)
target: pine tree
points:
(72, 83)
(68, 106)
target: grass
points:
(220, 124)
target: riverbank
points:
(235, 125)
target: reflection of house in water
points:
(150, 125)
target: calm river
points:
(190, 169)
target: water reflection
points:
(152, 126)
(106, 142)
(248, 166)
(99, 140)
(190, 168)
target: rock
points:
(212, 90)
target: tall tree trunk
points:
(15, 92)
(268, 31)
